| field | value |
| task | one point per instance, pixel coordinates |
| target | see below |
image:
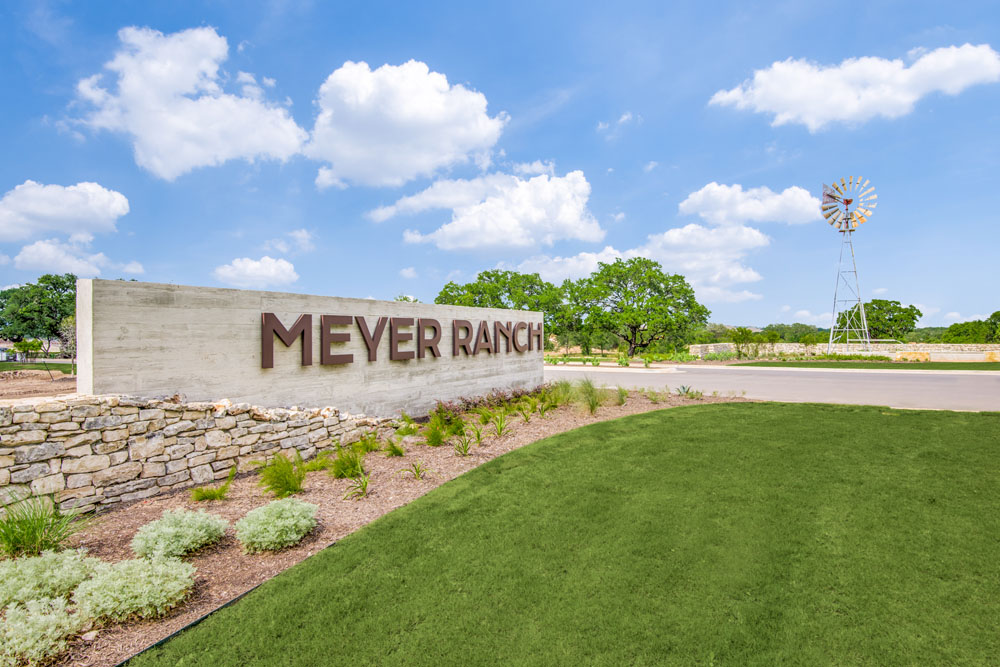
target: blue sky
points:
(376, 149)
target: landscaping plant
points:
(35, 631)
(622, 394)
(283, 476)
(463, 445)
(214, 492)
(500, 424)
(393, 448)
(433, 435)
(348, 463)
(477, 434)
(321, 461)
(52, 574)
(417, 469)
(34, 525)
(367, 443)
(279, 524)
(525, 409)
(139, 588)
(178, 532)
(358, 488)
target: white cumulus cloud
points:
(54, 256)
(169, 99)
(507, 211)
(33, 209)
(731, 204)
(390, 125)
(297, 240)
(249, 273)
(409, 273)
(859, 89)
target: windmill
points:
(845, 206)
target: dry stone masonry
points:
(94, 451)
(898, 351)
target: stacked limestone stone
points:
(98, 450)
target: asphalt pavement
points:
(919, 389)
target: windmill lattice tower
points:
(845, 206)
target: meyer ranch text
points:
(408, 337)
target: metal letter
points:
(520, 326)
(396, 337)
(371, 340)
(270, 325)
(501, 329)
(461, 342)
(326, 337)
(424, 344)
(536, 334)
(483, 341)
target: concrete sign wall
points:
(277, 349)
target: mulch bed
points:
(224, 572)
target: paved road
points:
(942, 390)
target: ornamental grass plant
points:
(34, 525)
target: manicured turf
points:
(14, 366)
(893, 365)
(730, 534)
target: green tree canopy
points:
(888, 319)
(507, 289)
(641, 304)
(993, 328)
(975, 331)
(35, 310)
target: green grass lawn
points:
(14, 366)
(728, 534)
(894, 365)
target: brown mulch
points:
(224, 571)
(26, 384)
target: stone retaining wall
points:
(899, 351)
(93, 451)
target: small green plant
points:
(545, 405)
(393, 448)
(623, 361)
(500, 424)
(562, 392)
(646, 361)
(52, 574)
(347, 464)
(525, 409)
(622, 394)
(595, 362)
(279, 524)
(321, 461)
(433, 435)
(485, 415)
(139, 588)
(688, 392)
(34, 632)
(283, 476)
(368, 442)
(34, 525)
(417, 469)
(653, 395)
(590, 395)
(217, 492)
(178, 532)
(463, 445)
(477, 434)
(409, 426)
(358, 488)
(456, 427)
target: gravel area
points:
(224, 572)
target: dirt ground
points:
(225, 572)
(25, 384)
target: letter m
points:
(271, 326)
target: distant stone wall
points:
(900, 351)
(94, 451)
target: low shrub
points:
(347, 463)
(622, 394)
(368, 442)
(178, 532)
(35, 631)
(283, 476)
(34, 525)
(49, 575)
(139, 588)
(203, 493)
(434, 435)
(279, 524)
(719, 356)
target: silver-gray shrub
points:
(50, 575)
(279, 524)
(142, 588)
(178, 532)
(36, 630)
